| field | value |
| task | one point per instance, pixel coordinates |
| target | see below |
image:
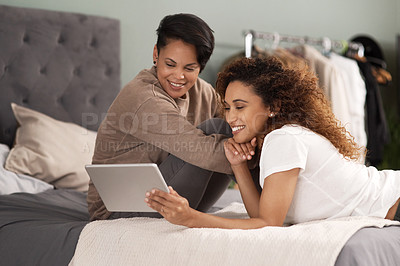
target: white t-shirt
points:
(329, 186)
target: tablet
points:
(122, 187)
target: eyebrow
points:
(196, 64)
(237, 100)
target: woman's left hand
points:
(239, 153)
(173, 207)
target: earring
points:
(271, 114)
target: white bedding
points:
(150, 241)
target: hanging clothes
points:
(356, 94)
(331, 80)
(377, 128)
(373, 68)
(289, 59)
(374, 55)
(351, 85)
(346, 94)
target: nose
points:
(179, 74)
(230, 116)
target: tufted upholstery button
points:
(25, 39)
(108, 71)
(60, 100)
(25, 100)
(93, 100)
(93, 42)
(6, 68)
(77, 71)
(43, 70)
(82, 18)
(61, 39)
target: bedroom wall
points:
(398, 17)
(340, 19)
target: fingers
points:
(230, 145)
(237, 148)
(229, 149)
(158, 196)
(172, 191)
(254, 142)
(251, 146)
(235, 154)
(244, 150)
(171, 206)
(157, 199)
(156, 206)
(247, 149)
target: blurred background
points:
(337, 20)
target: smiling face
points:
(177, 67)
(245, 112)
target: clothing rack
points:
(327, 44)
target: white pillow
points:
(51, 150)
(11, 182)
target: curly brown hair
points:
(294, 95)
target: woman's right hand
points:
(239, 153)
(173, 207)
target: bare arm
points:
(274, 203)
(236, 155)
(277, 195)
(248, 190)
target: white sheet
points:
(150, 241)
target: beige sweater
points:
(144, 124)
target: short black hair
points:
(190, 29)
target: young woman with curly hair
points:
(309, 165)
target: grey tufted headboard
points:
(65, 65)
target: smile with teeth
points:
(237, 128)
(179, 85)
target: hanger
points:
(326, 46)
(276, 40)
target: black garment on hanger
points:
(377, 128)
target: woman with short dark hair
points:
(190, 29)
(166, 115)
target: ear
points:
(155, 53)
(276, 106)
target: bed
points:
(59, 72)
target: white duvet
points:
(150, 241)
